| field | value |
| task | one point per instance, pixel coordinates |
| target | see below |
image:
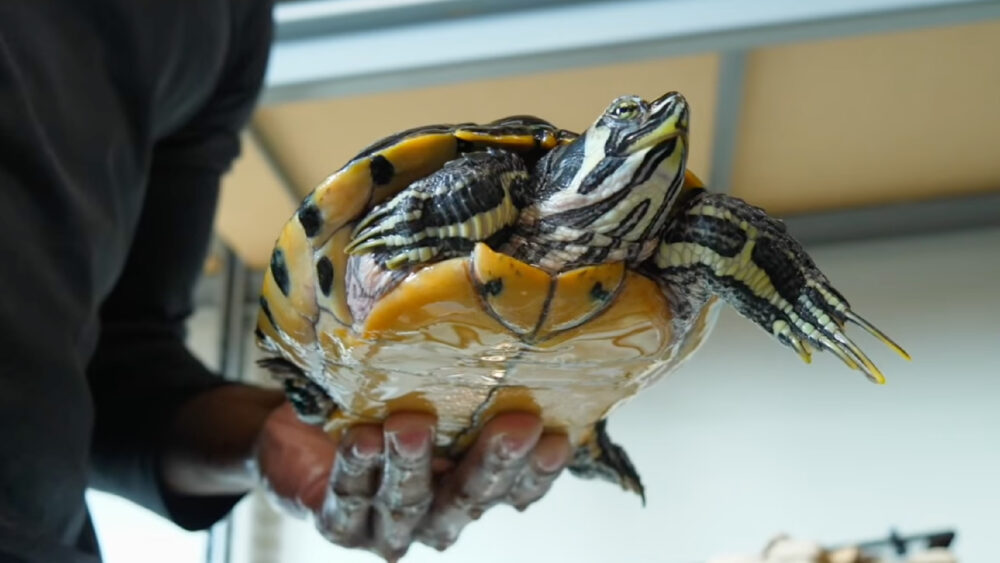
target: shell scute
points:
(438, 293)
(513, 292)
(288, 310)
(580, 295)
(330, 267)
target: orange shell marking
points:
(579, 295)
(513, 292)
(439, 293)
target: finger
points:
(483, 478)
(545, 464)
(343, 518)
(405, 492)
(294, 459)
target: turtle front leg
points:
(722, 245)
(471, 199)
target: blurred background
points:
(871, 126)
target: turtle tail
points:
(599, 457)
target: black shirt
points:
(117, 119)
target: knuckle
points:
(473, 506)
(403, 493)
(397, 518)
(439, 539)
(343, 518)
(399, 511)
(530, 487)
(485, 485)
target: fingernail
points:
(364, 452)
(509, 447)
(550, 461)
(410, 445)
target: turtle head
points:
(633, 126)
(613, 186)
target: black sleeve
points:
(142, 371)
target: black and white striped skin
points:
(471, 199)
(720, 245)
(606, 196)
(603, 197)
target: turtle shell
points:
(467, 337)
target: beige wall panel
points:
(870, 120)
(253, 206)
(313, 139)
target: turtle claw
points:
(803, 349)
(798, 334)
(366, 238)
(874, 331)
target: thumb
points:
(294, 461)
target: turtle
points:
(471, 269)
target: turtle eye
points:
(625, 110)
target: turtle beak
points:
(667, 119)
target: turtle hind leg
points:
(599, 457)
(721, 245)
(310, 402)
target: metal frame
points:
(728, 106)
(232, 366)
(335, 59)
(267, 152)
(897, 220)
(301, 20)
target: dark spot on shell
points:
(266, 307)
(324, 274)
(598, 293)
(280, 271)
(493, 287)
(310, 217)
(382, 170)
(463, 146)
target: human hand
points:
(379, 488)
